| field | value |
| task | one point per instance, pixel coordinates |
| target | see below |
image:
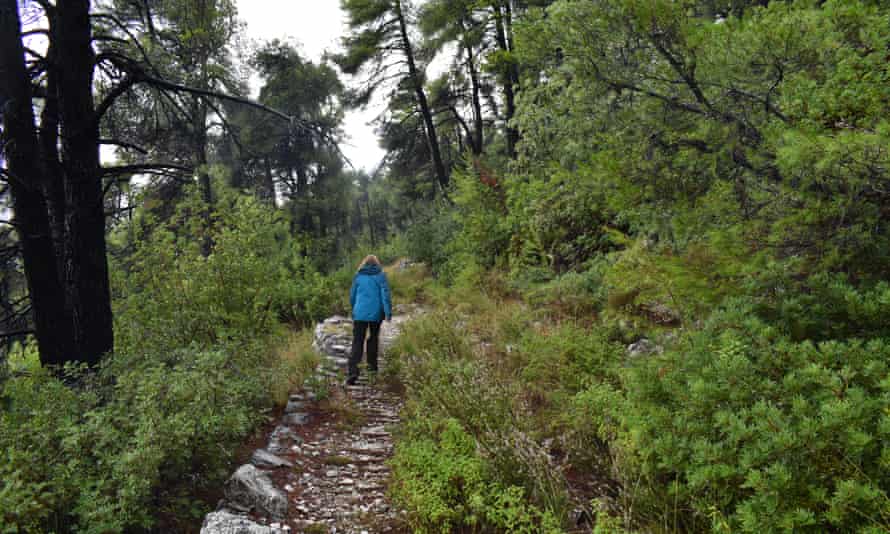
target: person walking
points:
(370, 301)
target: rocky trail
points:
(324, 467)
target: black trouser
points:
(359, 329)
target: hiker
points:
(371, 304)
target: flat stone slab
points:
(375, 432)
(250, 489)
(264, 458)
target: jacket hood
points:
(371, 269)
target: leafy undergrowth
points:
(136, 441)
(489, 435)
(200, 355)
(518, 415)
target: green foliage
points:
(503, 397)
(740, 423)
(710, 175)
(559, 219)
(427, 240)
(484, 232)
(445, 486)
(199, 356)
(112, 453)
(172, 295)
(827, 307)
(577, 294)
(562, 360)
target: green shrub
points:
(409, 285)
(576, 294)
(199, 356)
(446, 486)
(119, 449)
(446, 378)
(829, 307)
(426, 239)
(302, 295)
(741, 426)
(559, 362)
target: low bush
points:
(122, 448)
(826, 306)
(574, 294)
(447, 487)
(741, 429)
(199, 356)
(553, 364)
(408, 284)
(448, 377)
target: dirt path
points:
(324, 469)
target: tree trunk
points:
(53, 184)
(86, 266)
(27, 174)
(416, 79)
(269, 183)
(204, 184)
(478, 126)
(503, 14)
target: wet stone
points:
(296, 419)
(250, 489)
(264, 458)
(294, 406)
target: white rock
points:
(251, 489)
(225, 522)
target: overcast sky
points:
(316, 26)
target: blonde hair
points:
(369, 259)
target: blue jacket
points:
(369, 295)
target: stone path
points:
(324, 469)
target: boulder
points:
(296, 418)
(643, 347)
(279, 441)
(250, 489)
(264, 458)
(225, 522)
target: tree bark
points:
(503, 14)
(27, 176)
(475, 89)
(422, 102)
(478, 126)
(86, 266)
(204, 184)
(269, 183)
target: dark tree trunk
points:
(53, 185)
(204, 184)
(503, 14)
(86, 265)
(27, 175)
(478, 127)
(269, 183)
(423, 104)
(371, 232)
